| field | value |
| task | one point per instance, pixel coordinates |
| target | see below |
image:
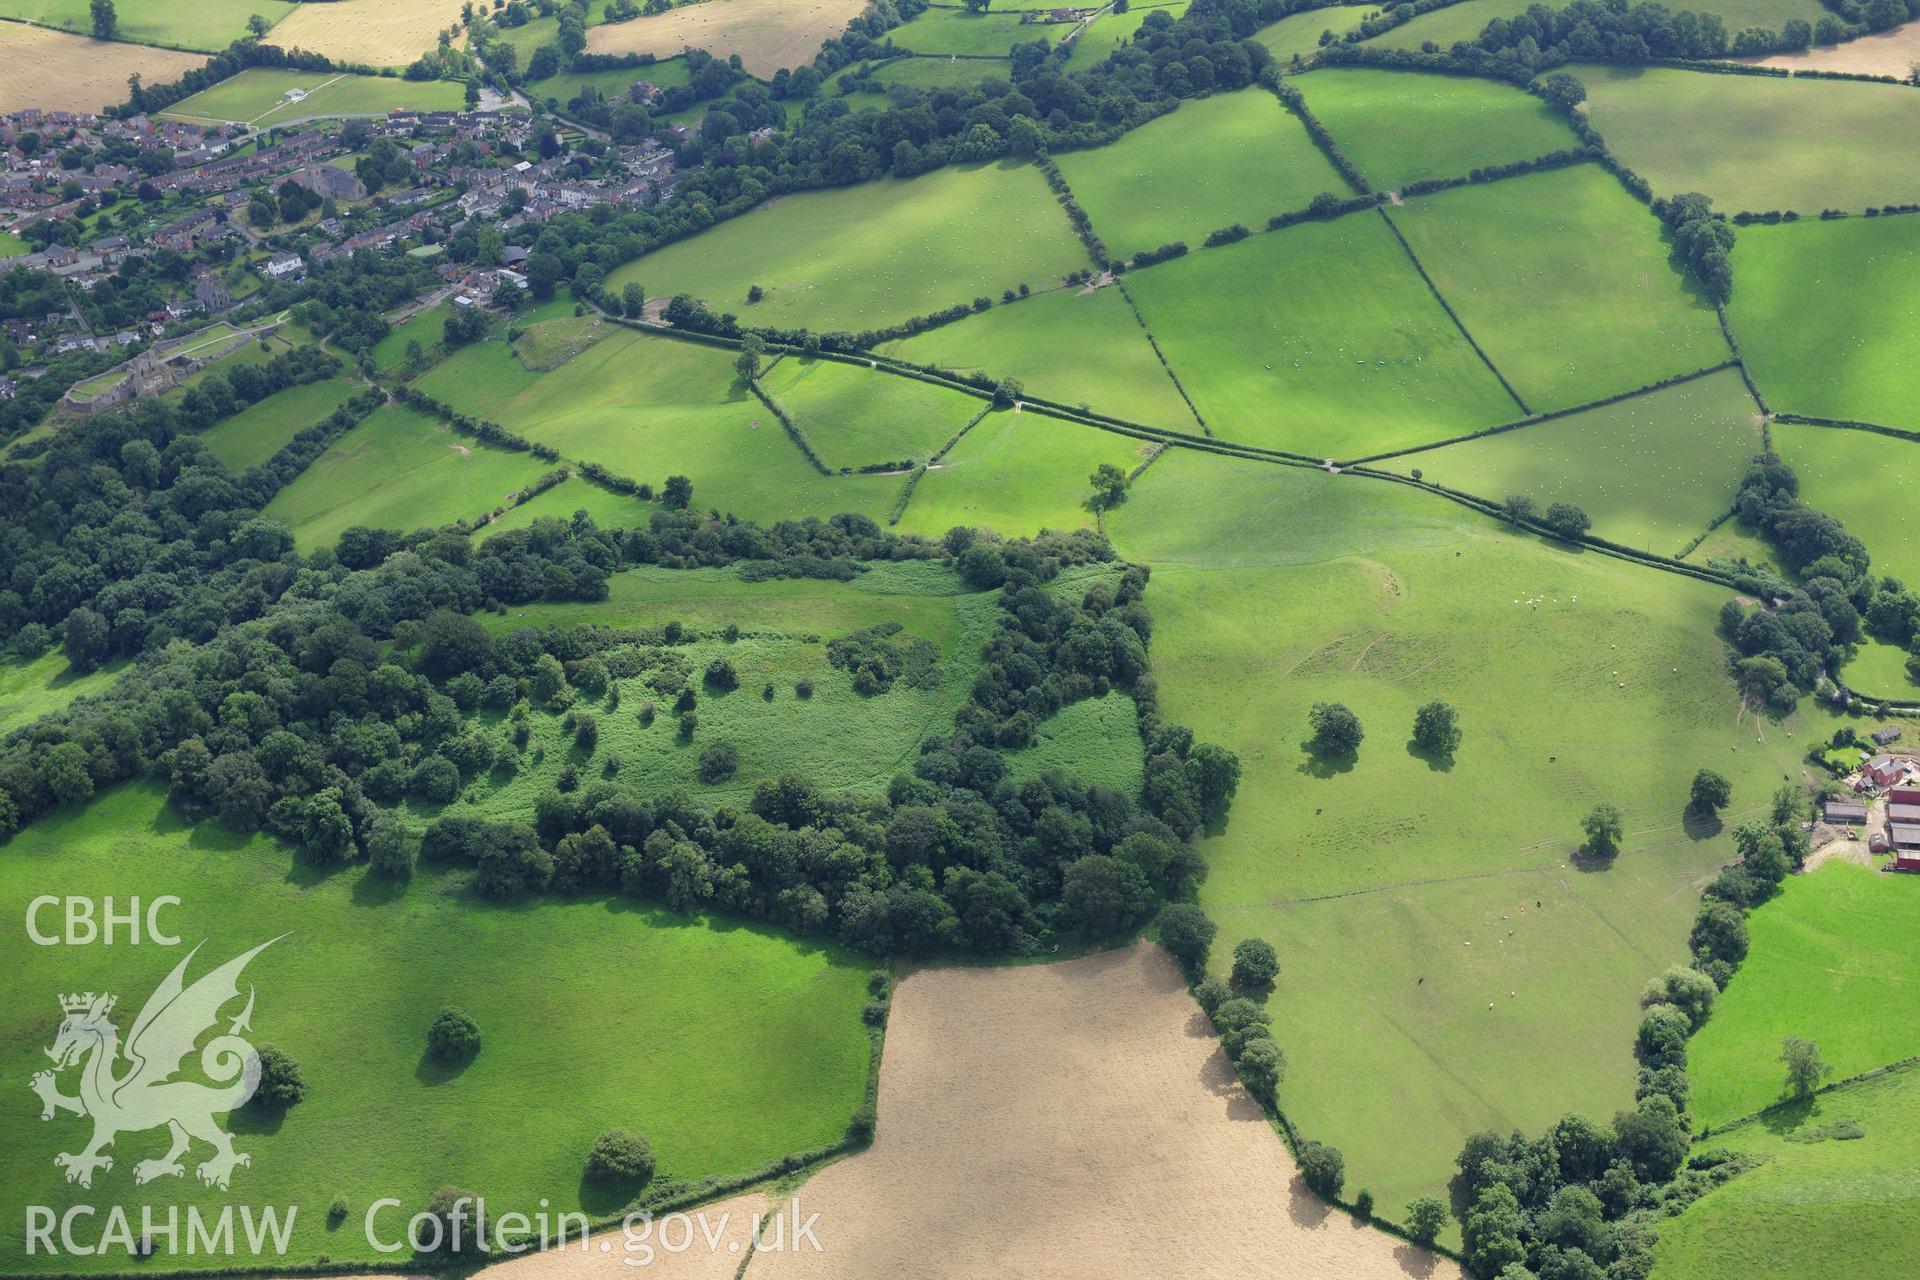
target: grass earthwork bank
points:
(1072, 346)
(257, 96)
(648, 407)
(1653, 472)
(1829, 962)
(1442, 954)
(856, 416)
(1400, 126)
(1352, 356)
(210, 26)
(738, 1047)
(1235, 157)
(874, 254)
(258, 431)
(1563, 279)
(1759, 142)
(1017, 473)
(399, 469)
(1828, 317)
(1833, 1198)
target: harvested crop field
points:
(376, 32)
(767, 34)
(1035, 1119)
(1884, 53)
(712, 1254)
(60, 72)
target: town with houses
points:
(146, 186)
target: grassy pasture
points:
(258, 431)
(1819, 1205)
(209, 27)
(547, 344)
(1016, 473)
(767, 34)
(1096, 740)
(1299, 33)
(399, 469)
(1446, 26)
(1398, 126)
(1653, 472)
(955, 31)
(1759, 142)
(29, 690)
(1879, 669)
(742, 1047)
(875, 254)
(650, 407)
(1071, 346)
(566, 86)
(1109, 30)
(427, 327)
(1828, 317)
(257, 96)
(609, 510)
(1563, 279)
(857, 417)
(1829, 962)
(374, 32)
(1409, 897)
(1235, 157)
(1320, 339)
(57, 71)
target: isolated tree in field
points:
(106, 23)
(1109, 486)
(1255, 965)
(1436, 729)
(620, 1155)
(1710, 794)
(454, 1036)
(281, 1085)
(1188, 934)
(677, 492)
(1604, 830)
(1563, 91)
(1567, 520)
(1323, 1168)
(1805, 1069)
(752, 348)
(258, 25)
(1425, 1216)
(1336, 730)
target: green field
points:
(650, 407)
(1017, 473)
(1830, 962)
(981, 34)
(874, 254)
(1563, 280)
(1071, 346)
(1440, 957)
(728, 1045)
(1820, 1205)
(1298, 34)
(1447, 26)
(1879, 669)
(1398, 127)
(426, 327)
(1235, 157)
(1759, 142)
(1352, 355)
(608, 509)
(1110, 30)
(858, 417)
(257, 96)
(929, 73)
(210, 26)
(1653, 472)
(1096, 740)
(399, 469)
(258, 431)
(29, 690)
(548, 344)
(566, 86)
(1828, 317)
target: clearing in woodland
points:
(1042, 1118)
(59, 72)
(1353, 356)
(872, 255)
(767, 34)
(1563, 280)
(1232, 158)
(1442, 954)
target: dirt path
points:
(1072, 1120)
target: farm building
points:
(1884, 771)
(1844, 812)
(1903, 827)
(1887, 736)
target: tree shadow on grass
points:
(376, 890)
(1438, 761)
(1701, 826)
(256, 1118)
(1790, 1115)
(601, 1197)
(433, 1071)
(1584, 859)
(1326, 764)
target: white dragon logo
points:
(146, 1096)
